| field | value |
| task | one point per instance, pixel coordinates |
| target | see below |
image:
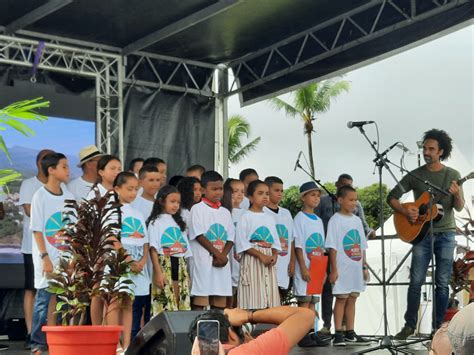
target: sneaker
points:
(324, 336)
(312, 340)
(352, 338)
(339, 339)
(325, 331)
(404, 333)
(28, 342)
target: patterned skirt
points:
(258, 284)
(164, 300)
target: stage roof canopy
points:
(271, 45)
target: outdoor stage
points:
(16, 348)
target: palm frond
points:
(280, 105)
(236, 157)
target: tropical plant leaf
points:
(25, 110)
(8, 175)
(244, 151)
(280, 105)
(238, 128)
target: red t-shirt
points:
(273, 342)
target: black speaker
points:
(167, 333)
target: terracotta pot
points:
(82, 339)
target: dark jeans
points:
(327, 301)
(444, 244)
(40, 314)
(141, 305)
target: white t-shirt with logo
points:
(346, 235)
(27, 190)
(235, 263)
(309, 236)
(216, 225)
(284, 227)
(79, 188)
(133, 237)
(256, 228)
(144, 206)
(186, 215)
(245, 204)
(47, 218)
(102, 192)
(167, 238)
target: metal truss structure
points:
(111, 72)
(362, 24)
(94, 64)
(115, 68)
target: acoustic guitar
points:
(413, 232)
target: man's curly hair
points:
(443, 139)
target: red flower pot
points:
(82, 339)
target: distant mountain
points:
(23, 160)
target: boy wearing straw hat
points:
(88, 158)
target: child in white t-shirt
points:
(46, 224)
(211, 235)
(258, 244)
(247, 176)
(233, 197)
(284, 225)
(346, 243)
(108, 167)
(134, 239)
(149, 180)
(169, 251)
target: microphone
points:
(351, 124)
(402, 147)
(390, 148)
(298, 161)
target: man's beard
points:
(427, 159)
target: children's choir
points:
(204, 243)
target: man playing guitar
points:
(436, 148)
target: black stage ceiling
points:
(271, 45)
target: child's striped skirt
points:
(258, 285)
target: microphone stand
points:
(318, 182)
(380, 161)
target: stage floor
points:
(16, 348)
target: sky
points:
(60, 134)
(429, 86)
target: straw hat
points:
(88, 153)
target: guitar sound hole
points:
(423, 209)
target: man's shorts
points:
(29, 272)
(215, 301)
(346, 295)
(307, 299)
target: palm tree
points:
(308, 103)
(238, 127)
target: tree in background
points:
(308, 103)
(368, 197)
(238, 128)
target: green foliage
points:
(91, 251)
(330, 186)
(291, 200)
(369, 198)
(238, 128)
(10, 117)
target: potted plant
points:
(90, 266)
